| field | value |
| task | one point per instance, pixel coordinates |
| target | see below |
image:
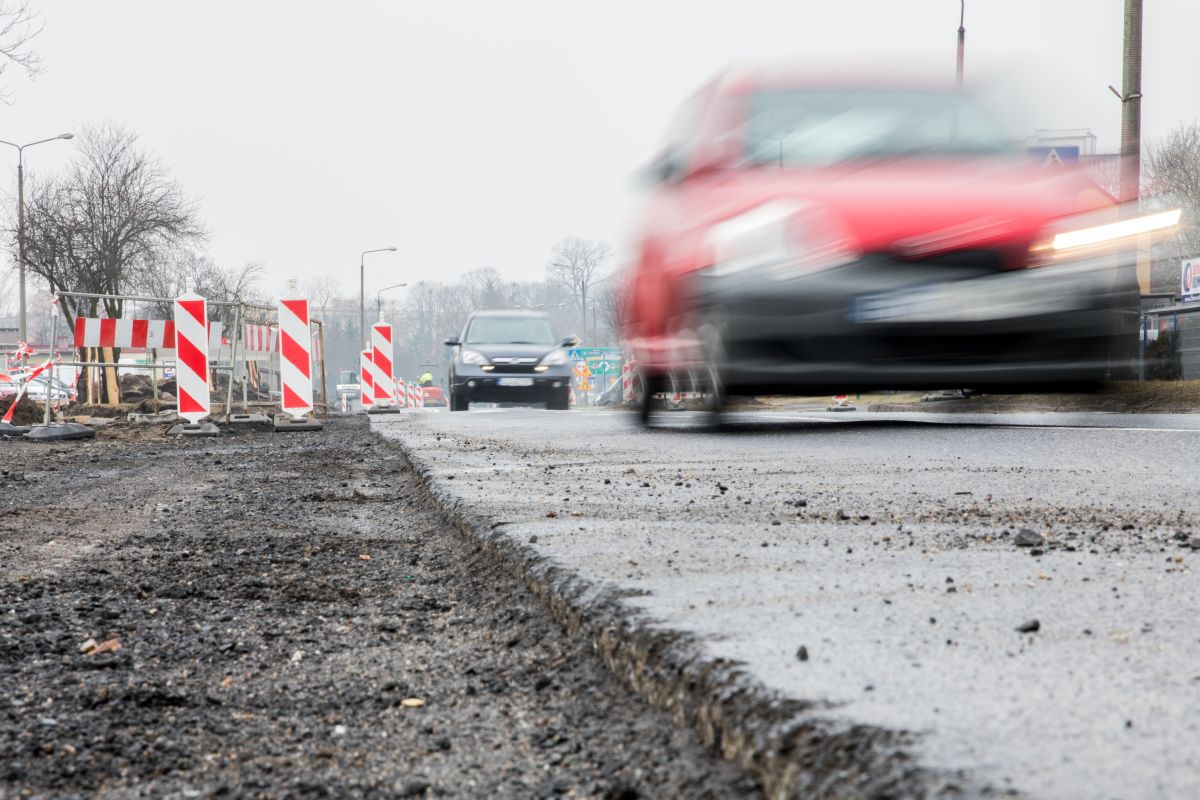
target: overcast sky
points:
(473, 134)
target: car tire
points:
(457, 402)
(562, 403)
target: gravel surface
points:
(1016, 591)
(270, 615)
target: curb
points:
(795, 748)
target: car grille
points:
(518, 364)
(984, 259)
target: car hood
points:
(881, 206)
(494, 351)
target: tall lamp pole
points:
(379, 299)
(362, 304)
(23, 333)
(962, 42)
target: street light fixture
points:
(962, 42)
(362, 304)
(23, 333)
(379, 300)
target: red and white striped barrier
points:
(420, 396)
(295, 358)
(8, 415)
(191, 360)
(412, 396)
(366, 386)
(627, 373)
(259, 340)
(381, 358)
(136, 334)
(401, 393)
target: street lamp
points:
(362, 304)
(23, 333)
(962, 42)
(379, 300)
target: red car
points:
(818, 238)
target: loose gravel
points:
(286, 615)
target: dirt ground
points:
(285, 615)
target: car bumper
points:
(881, 323)
(478, 386)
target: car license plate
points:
(1019, 294)
(515, 381)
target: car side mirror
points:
(452, 341)
(665, 168)
(570, 341)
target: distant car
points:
(510, 357)
(817, 236)
(433, 396)
(612, 396)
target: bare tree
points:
(1172, 177)
(579, 264)
(485, 288)
(18, 26)
(108, 224)
(322, 291)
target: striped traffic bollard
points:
(381, 357)
(191, 357)
(366, 387)
(412, 396)
(420, 396)
(401, 400)
(295, 358)
(258, 339)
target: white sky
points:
(474, 134)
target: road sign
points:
(582, 370)
(1190, 283)
(1055, 156)
(600, 360)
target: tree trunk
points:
(111, 385)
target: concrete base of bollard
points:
(60, 432)
(200, 429)
(8, 429)
(842, 408)
(383, 410)
(149, 419)
(286, 422)
(249, 419)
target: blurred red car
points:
(816, 238)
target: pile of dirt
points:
(135, 388)
(29, 412)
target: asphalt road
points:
(884, 546)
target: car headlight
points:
(472, 357)
(1099, 233)
(554, 358)
(784, 239)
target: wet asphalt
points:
(871, 563)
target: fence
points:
(247, 351)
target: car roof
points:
(509, 312)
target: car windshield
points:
(821, 127)
(510, 330)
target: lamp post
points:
(379, 299)
(962, 42)
(362, 305)
(23, 332)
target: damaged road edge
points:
(791, 746)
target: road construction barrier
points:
(192, 345)
(295, 358)
(366, 371)
(381, 358)
(191, 357)
(627, 379)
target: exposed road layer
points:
(288, 615)
(802, 576)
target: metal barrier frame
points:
(232, 367)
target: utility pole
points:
(1131, 103)
(962, 42)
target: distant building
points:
(9, 330)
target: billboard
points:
(1189, 288)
